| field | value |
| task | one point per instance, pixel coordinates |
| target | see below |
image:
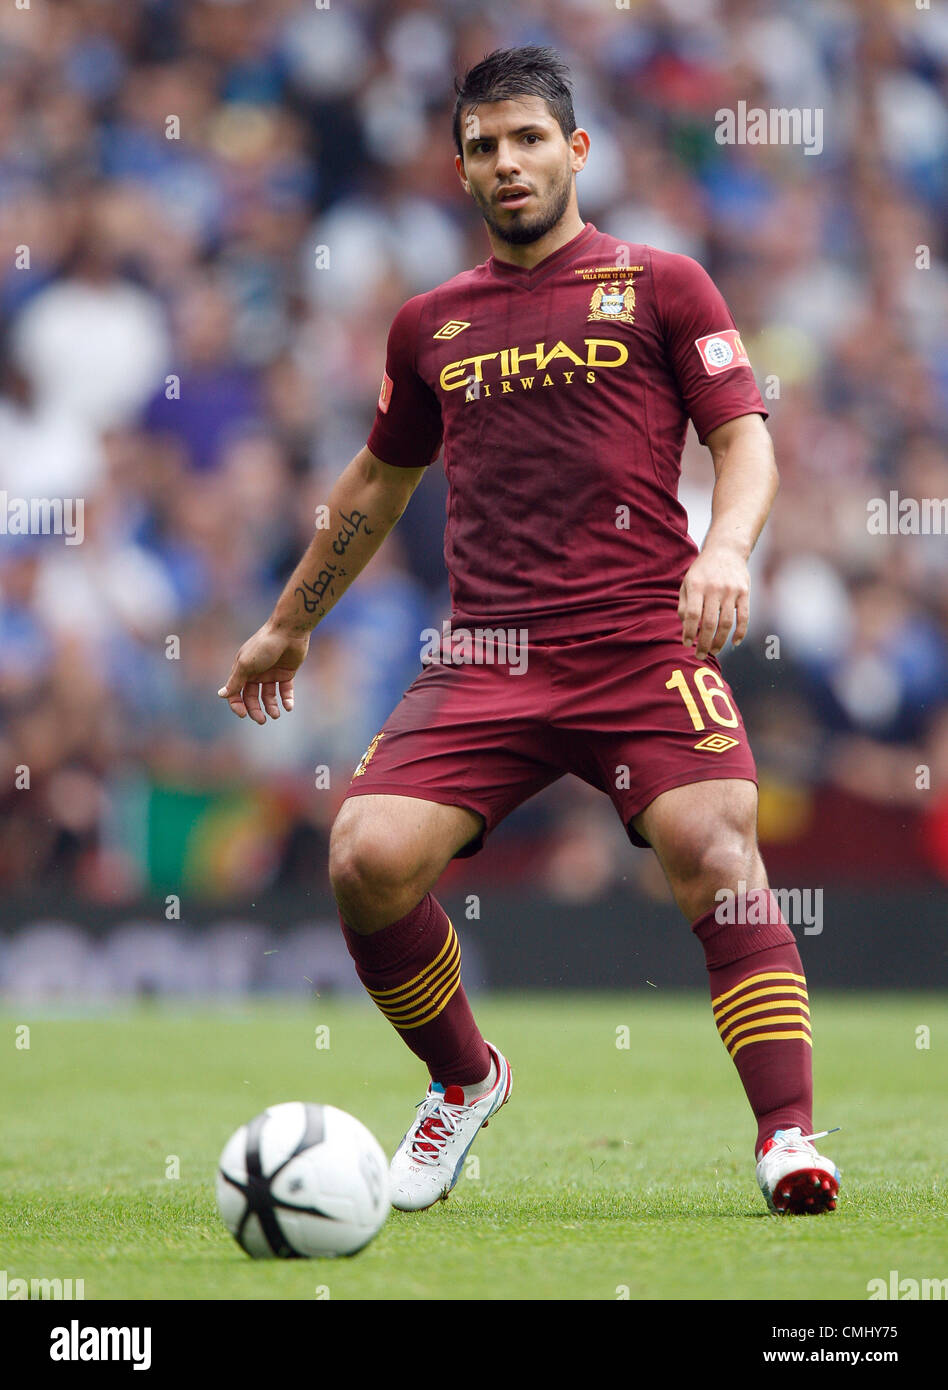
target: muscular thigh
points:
(705, 836)
(422, 835)
(683, 822)
(386, 852)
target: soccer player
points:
(559, 376)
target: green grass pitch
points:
(613, 1171)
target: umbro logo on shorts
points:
(717, 743)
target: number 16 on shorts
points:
(715, 701)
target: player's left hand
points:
(714, 592)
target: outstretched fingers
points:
(256, 695)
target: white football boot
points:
(795, 1178)
(428, 1161)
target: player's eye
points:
(531, 137)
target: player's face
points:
(518, 167)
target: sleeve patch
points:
(385, 395)
(719, 352)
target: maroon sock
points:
(759, 999)
(412, 971)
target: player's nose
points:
(506, 162)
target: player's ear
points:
(579, 146)
(459, 165)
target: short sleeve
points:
(705, 348)
(407, 430)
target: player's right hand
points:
(267, 662)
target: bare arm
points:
(364, 505)
(716, 589)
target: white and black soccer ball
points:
(303, 1181)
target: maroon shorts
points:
(631, 712)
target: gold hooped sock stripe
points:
(420, 1009)
(419, 992)
(423, 997)
(767, 1037)
(437, 1006)
(764, 1023)
(785, 1000)
(720, 1015)
(379, 995)
(758, 979)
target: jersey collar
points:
(527, 278)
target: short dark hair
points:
(508, 73)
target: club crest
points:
(614, 302)
(367, 755)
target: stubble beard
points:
(521, 231)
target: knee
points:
(366, 861)
(723, 862)
(704, 863)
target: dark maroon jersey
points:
(562, 395)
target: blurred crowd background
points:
(128, 258)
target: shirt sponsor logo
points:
(451, 329)
(385, 395)
(719, 352)
(508, 362)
